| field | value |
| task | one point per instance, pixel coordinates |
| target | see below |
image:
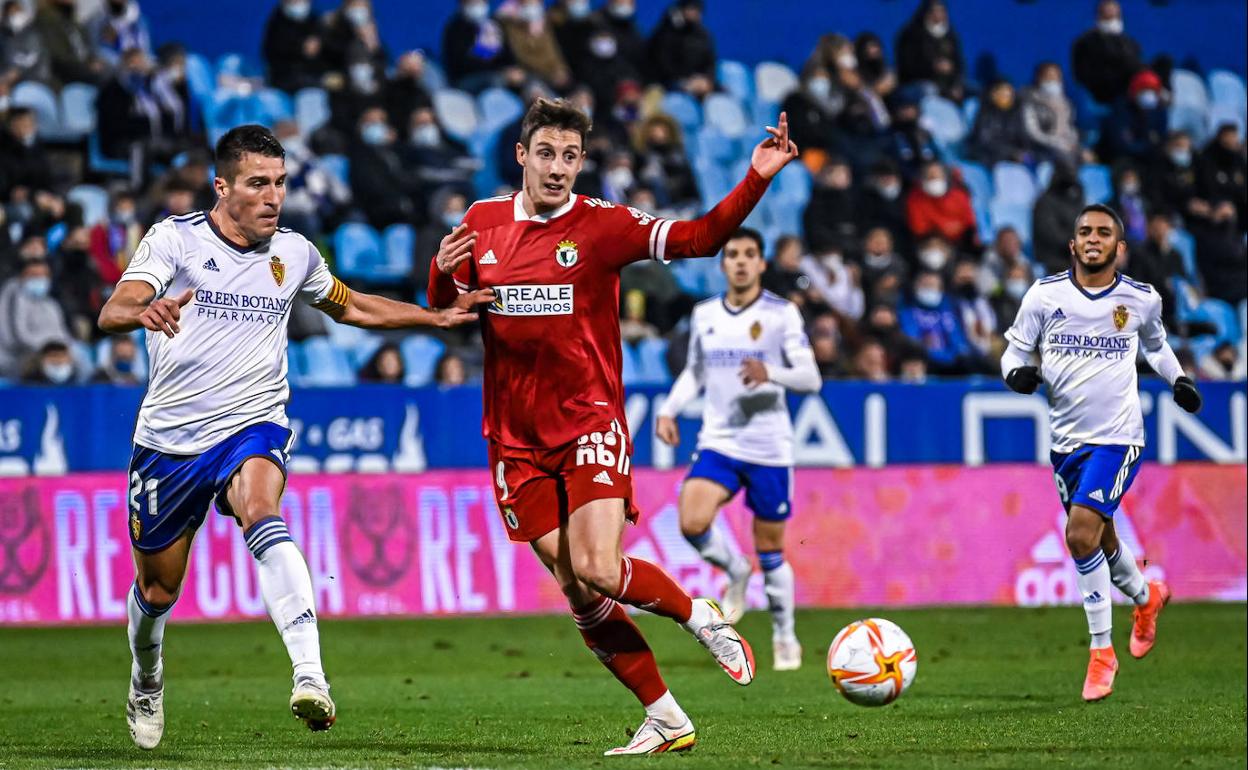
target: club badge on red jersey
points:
(566, 254)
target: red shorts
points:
(536, 489)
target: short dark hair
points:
(1103, 209)
(554, 113)
(243, 139)
(746, 232)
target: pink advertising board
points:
(433, 544)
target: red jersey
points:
(552, 338)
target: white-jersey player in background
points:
(1086, 325)
(214, 291)
(746, 348)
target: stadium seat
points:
(360, 344)
(100, 163)
(1015, 215)
(1191, 308)
(326, 365)
(1221, 114)
(725, 114)
(943, 119)
(457, 112)
(714, 147)
(684, 110)
(1185, 244)
(1097, 185)
(976, 178)
(1044, 175)
(1187, 88)
(42, 100)
(1014, 184)
(1225, 87)
(398, 247)
(296, 363)
(433, 77)
(970, 109)
(94, 203)
(630, 372)
(274, 105)
(652, 362)
(1193, 120)
(199, 76)
(794, 181)
(104, 353)
(78, 115)
(735, 78)
(237, 65)
(498, 107)
(357, 248)
(420, 354)
(337, 165)
(773, 81)
(311, 109)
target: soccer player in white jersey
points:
(1086, 324)
(214, 291)
(746, 347)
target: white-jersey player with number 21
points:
(746, 348)
(1087, 325)
(214, 291)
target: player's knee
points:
(156, 595)
(695, 533)
(253, 508)
(1082, 542)
(598, 569)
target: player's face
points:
(1096, 245)
(551, 162)
(254, 197)
(743, 263)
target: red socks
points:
(646, 586)
(611, 635)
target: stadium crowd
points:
(927, 201)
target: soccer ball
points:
(872, 662)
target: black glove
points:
(1186, 395)
(1024, 379)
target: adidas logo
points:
(1094, 597)
(1097, 495)
(211, 264)
(307, 617)
(1058, 315)
(489, 258)
(604, 478)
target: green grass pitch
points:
(995, 688)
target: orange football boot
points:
(1102, 665)
(1144, 629)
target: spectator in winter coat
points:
(1136, 128)
(292, 46)
(928, 317)
(682, 51)
(1104, 59)
(1049, 117)
(1222, 173)
(31, 317)
(1053, 216)
(67, 43)
(937, 207)
(532, 41)
(999, 132)
(928, 50)
(473, 48)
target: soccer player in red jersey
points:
(559, 447)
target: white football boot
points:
(729, 648)
(145, 715)
(786, 653)
(733, 603)
(310, 702)
(654, 738)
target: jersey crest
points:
(756, 330)
(566, 253)
(1120, 317)
(278, 269)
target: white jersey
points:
(747, 424)
(226, 368)
(1088, 343)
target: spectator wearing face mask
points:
(1049, 117)
(79, 288)
(682, 51)
(1006, 302)
(121, 365)
(22, 55)
(1158, 263)
(934, 254)
(1056, 208)
(381, 186)
(619, 18)
(831, 217)
(835, 283)
(1104, 58)
(1220, 254)
(928, 50)
(937, 207)
(909, 144)
(784, 274)
(1129, 202)
(614, 82)
(812, 110)
(881, 324)
(473, 47)
(433, 158)
(113, 241)
(873, 65)
(1221, 172)
(884, 272)
(532, 41)
(928, 317)
(52, 365)
(663, 166)
(361, 89)
(24, 163)
(979, 320)
(1173, 178)
(129, 114)
(1226, 363)
(447, 207)
(575, 25)
(117, 27)
(881, 203)
(999, 132)
(69, 47)
(1136, 127)
(292, 47)
(1005, 252)
(30, 316)
(351, 37)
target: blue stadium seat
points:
(1191, 308)
(773, 81)
(78, 109)
(339, 166)
(970, 109)
(296, 363)
(1089, 114)
(357, 249)
(1185, 244)
(794, 181)
(735, 78)
(1225, 87)
(943, 119)
(100, 163)
(311, 109)
(976, 178)
(420, 358)
(1221, 114)
(42, 100)
(1014, 184)
(1098, 187)
(684, 110)
(1015, 215)
(725, 114)
(433, 77)
(714, 147)
(104, 353)
(1193, 120)
(398, 247)
(631, 370)
(200, 78)
(274, 106)
(237, 65)
(94, 203)
(498, 108)
(1044, 175)
(457, 112)
(652, 362)
(326, 364)
(1188, 88)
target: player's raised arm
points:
(450, 266)
(134, 304)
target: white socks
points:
(145, 625)
(666, 711)
(1126, 574)
(287, 590)
(778, 583)
(713, 546)
(1094, 583)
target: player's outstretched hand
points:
(162, 315)
(455, 248)
(774, 152)
(667, 430)
(470, 300)
(753, 372)
(1186, 395)
(1024, 379)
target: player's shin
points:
(646, 586)
(146, 628)
(618, 644)
(713, 546)
(1094, 584)
(1126, 575)
(778, 584)
(287, 589)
